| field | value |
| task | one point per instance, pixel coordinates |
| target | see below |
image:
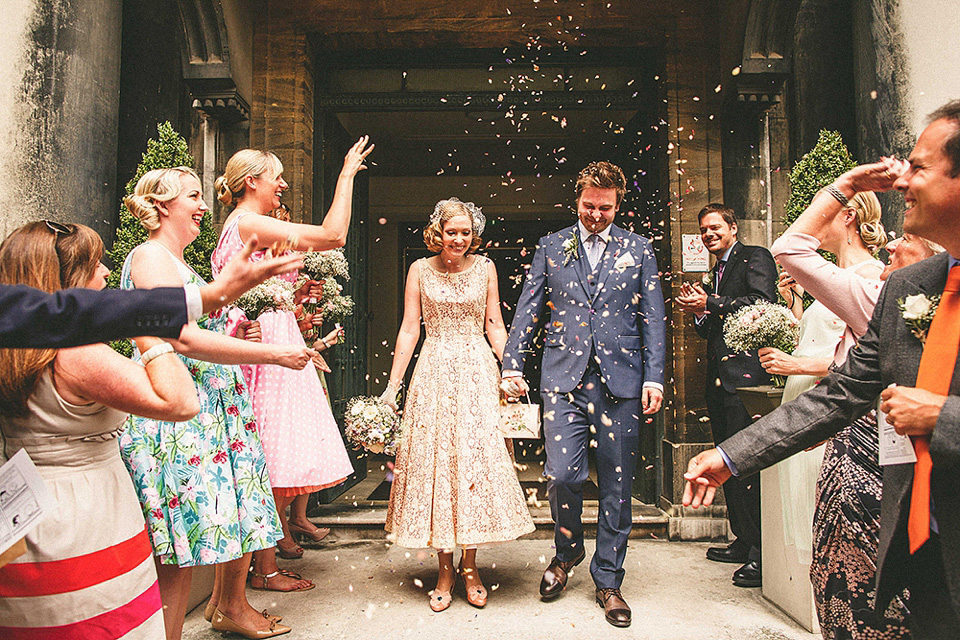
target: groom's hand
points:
(651, 399)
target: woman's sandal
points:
(266, 577)
(440, 600)
(209, 610)
(315, 535)
(477, 594)
(221, 622)
(294, 553)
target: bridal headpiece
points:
(478, 220)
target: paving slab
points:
(373, 589)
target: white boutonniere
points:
(917, 311)
(571, 248)
(707, 279)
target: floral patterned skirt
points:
(203, 484)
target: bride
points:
(454, 482)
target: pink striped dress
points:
(88, 572)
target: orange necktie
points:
(935, 374)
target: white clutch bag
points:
(520, 420)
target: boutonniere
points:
(917, 311)
(571, 248)
(707, 279)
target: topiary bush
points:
(169, 149)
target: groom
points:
(602, 366)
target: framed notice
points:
(695, 255)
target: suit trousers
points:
(570, 421)
(932, 616)
(727, 417)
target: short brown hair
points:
(602, 175)
(715, 207)
(951, 147)
(50, 257)
(433, 232)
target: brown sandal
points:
(266, 577)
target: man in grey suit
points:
(885, 364)
(598, 286)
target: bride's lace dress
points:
(454, 481)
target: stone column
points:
(58, 111)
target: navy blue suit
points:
(605, 337)
(32, 318)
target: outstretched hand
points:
(353, 162)
(705, 473)
(876, 176)
(240, 275)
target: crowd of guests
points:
(191, 452)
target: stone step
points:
(364, 520)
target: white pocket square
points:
(624, 261)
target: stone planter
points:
(761, 400)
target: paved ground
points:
(379, 591)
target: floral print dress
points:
(202, 484)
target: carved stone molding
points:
(479, 101)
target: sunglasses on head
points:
(58, 227)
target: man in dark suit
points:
(32, 318)
(602, 368)
(886, 363)
(742, 275)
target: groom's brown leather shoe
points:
(555, 577)
(615, 609)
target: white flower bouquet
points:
(320, 265)
(762, 324)
(372, 425)
(324, 267)
(274, 294)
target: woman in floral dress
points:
(454, 482)
(203, 483)
(303, 445)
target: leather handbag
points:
(520, 419)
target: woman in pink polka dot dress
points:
(301, 440)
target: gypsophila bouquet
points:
(372, 425)
(324, 267)
(274, 294)
(917, 311)
(318, 265)
(762, 324)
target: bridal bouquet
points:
(372, 425)
(274, 294)
(762, 324)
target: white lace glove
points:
(389, 396)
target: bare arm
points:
(409, 328)
(162, 390)
(239, 275)
(496, 332)
(332, 233)
(152, 266)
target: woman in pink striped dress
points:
(88, 571)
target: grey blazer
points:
(888, 353)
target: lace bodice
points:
(454, 304)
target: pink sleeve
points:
(846, 293)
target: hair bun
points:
(224, 194)
(144, 210)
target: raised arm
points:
(152, 266)
(496, 332)
(332, 233)
(408, 335)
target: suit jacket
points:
(749, 275)
(616, 312)
(888, 353)
(32, 318)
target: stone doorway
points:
(510, 137)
